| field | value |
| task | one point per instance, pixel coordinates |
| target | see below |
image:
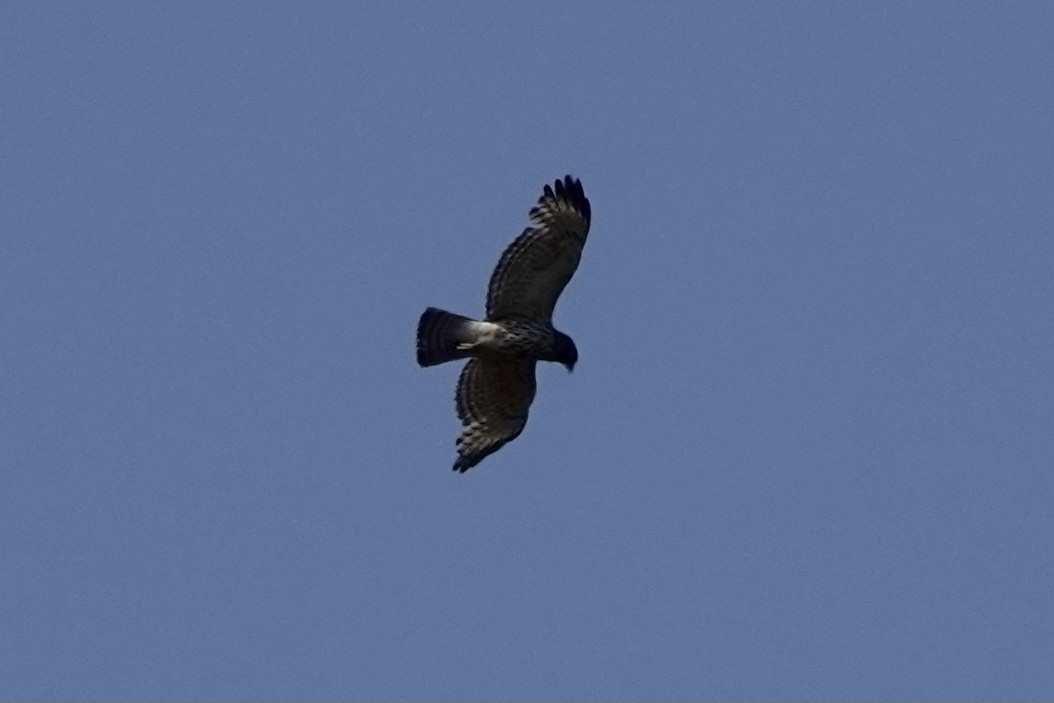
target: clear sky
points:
(808, 450)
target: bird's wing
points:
(493, 397)
(535, 268)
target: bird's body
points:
(464, 337)
(497, 385)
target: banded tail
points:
(438, 334)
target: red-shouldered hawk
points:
(497, 385)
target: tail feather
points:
(438, 334)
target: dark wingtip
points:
(572, 189)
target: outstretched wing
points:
(535, 268)
(493, 397)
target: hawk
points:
(496, 387)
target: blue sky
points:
(807, 451)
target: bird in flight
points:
(496, 387)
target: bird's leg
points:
(467, 346)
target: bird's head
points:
(565, 352)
